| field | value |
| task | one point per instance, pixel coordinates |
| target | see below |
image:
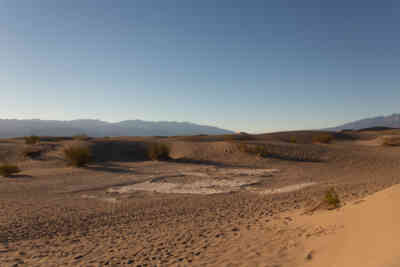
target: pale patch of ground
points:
(205, 187)
(248, 172)
(286, 189)
(106, 199)
(207, 183)
(210, 181)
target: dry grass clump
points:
(31, 152)
(55, 138)
(258, 150)
(237, 137)
(332, 199)
(77, 155)
(81, 137)
(158, 151)
(324, 138)
(7, 170)
(283, 152)
(391, 141)
(31, 140)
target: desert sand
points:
(211, 204)
(366, 233)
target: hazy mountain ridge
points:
(392, 121)
(97, 128)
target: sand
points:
(366, 234)
(210, 181)
(55, 215)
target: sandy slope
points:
(366, 233)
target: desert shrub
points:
(31, 152)
(31, 140)
(242, 147)
(77, 155)
(235, 137)
(258, 150)
(391, 140)
(55, 138)
(81, 137)
(158, 151)
(8, 169)
(324, 138)
(161, 136)
(283, 152)
(229, 137)
(332, 198)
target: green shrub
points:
(77, 155)
(324, 138)
(332, 198)
(8, 169)
(31, 140)
(293, 139)
(158, 151)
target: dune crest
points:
(367, 233)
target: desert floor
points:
(210, 205)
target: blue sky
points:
(256, 66)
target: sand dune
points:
(367, 233)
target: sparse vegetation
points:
(332, 198)
(31, 140)
(81, 137)
(158, 151)
(237, 137)
(77, 155)
(284, 152)
(31, 152)
(324, 138)
(7, 170)
(255, 149)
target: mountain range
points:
(391, 121)
(97, 128)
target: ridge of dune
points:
(366, 234)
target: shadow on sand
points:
(19, 176)
(204, 162)
(109, 167)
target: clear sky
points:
(255, 66)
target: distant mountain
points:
(391, 121)
(97, 128)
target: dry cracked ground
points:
(213, 204)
